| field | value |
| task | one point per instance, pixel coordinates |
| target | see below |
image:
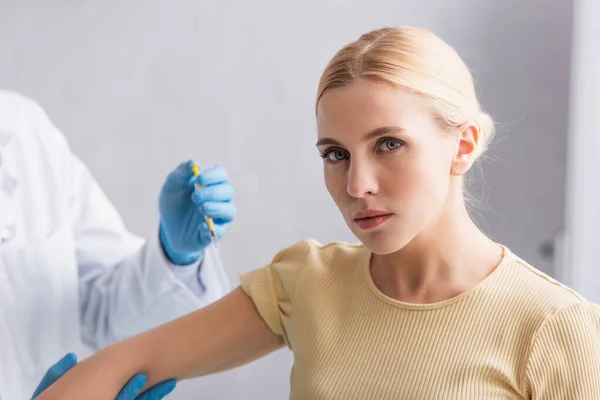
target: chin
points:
(381, 242)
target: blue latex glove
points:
(129, 392)
(183, 231)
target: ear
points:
(466, 152)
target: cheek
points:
(335, 182)
(405, 184)
(433, 188)
(417, 183)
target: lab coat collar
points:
(8, 187)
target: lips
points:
(371, 218)
(370, 214)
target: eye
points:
(389, 144)
(334, 155)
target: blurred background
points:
(138, 86)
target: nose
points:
(361, 180)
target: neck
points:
(443, 261)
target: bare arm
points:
(221, 336)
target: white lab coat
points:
(70, 273)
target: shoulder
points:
(9, 98)
(306, 259)
(310, 257)
(27, 121)
(561, 322)
(559, 329)
(564, 358)
(11, 110)
(15, 106)
(327, 255)
(538, 293)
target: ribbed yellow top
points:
(517, 334)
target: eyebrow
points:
(384, 130)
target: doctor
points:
(70, 273)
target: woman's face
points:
(387, 164)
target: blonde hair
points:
(419, 61)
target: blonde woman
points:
(426, 306)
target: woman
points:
(426, 306)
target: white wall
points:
(583, 195)
(138, 86)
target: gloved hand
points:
(183, 230)
(129, 392)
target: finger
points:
(220, 229)
(204, 236)
(132, 388)
(62, 366)
(220, 192)
(183, 174)
(222, 212)
(159, 391)
(213, 176)
(55, 372)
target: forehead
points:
(366, 105)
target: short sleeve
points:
(565, 357)
(272, 288)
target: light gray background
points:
(138, 86)
(582, 223)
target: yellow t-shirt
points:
(518, 334)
